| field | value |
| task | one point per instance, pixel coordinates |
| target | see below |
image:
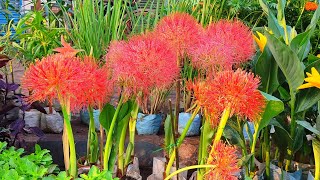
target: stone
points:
(84, 117)
(56, 105)
(52, 123)
(31, 118)
(159, 167)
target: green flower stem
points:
(316, 152)
(132, 126)
(293, 126)
(188, 168)
(222, 125)
(121, 149)
(108, 145)
(267, 151)
(73, 158)
(254, 142)
(181, 138)
(92, 144)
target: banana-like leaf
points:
(274, 106)
(288, 62)
(267, 69)
(308, 126)
(168, 134)
(306, 98)
(106, 116)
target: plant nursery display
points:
(232, 86)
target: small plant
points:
(14, 164)
(96, 174)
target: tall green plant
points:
(285, 51)
(93, 24)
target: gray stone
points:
(32, 118)
(52, 123)
(84, 116)
(159, 166)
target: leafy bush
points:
(15, 165)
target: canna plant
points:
(280, 65)
(312, 81)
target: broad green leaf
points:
(281, 19)
(121, 127)
(308, 126)
(234, 137)
(267, 69)
(288, 62)
(106, 116)
(298, 138)
(272, 20)
(301, 43)
(306, 98)
(274, 106)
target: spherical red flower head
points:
(55, 76)
(180, 30)
(99, 87)
(209, 55)
(239, 90)
(234, 39)
(311, 6)
(226, 161)
(143, 63)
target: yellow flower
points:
(318, 55)
(261, 41)
(313, 79)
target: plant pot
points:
(84, 117)
(158, 168)
(148, 124)
(84, 169)
(194, 129)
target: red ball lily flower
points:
(223, 45)
(180, 30)
(54, 77)
(143, 63)
(238, 90)
(311, 6)
(225, 158)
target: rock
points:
(195, 125)
(31, 118)
(52, 123)
(133, 170)
(84, 117)
(159, 167)
(148, 124)
(56, 105)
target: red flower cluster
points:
(98, 87)
(223, 45)
(311, 6)
(226, 161)
(239, 90)
(143, 63)
(180, 30)
(67, 78)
